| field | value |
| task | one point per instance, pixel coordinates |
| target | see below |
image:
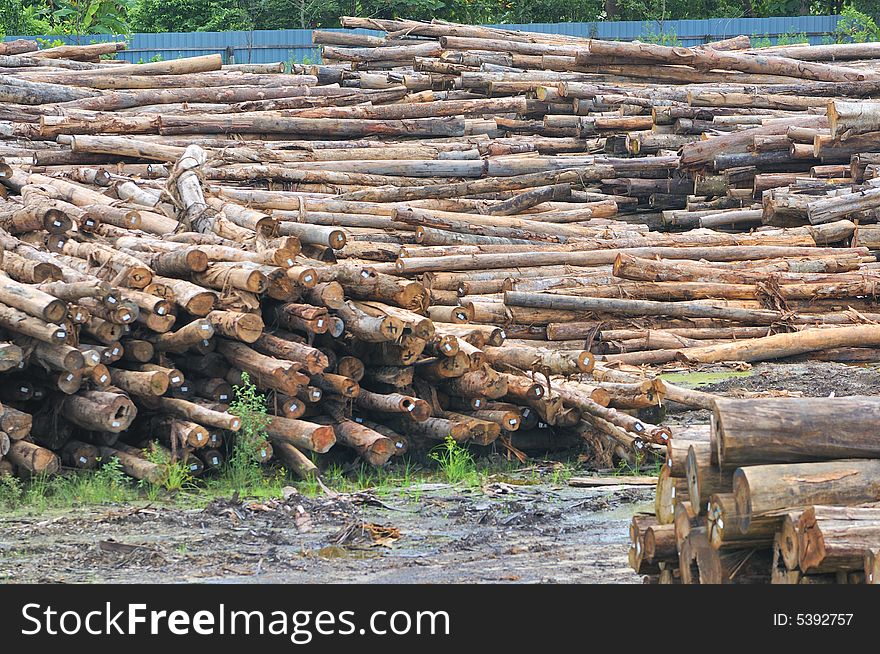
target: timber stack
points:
(440, 231)
(781, 490)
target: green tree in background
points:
(17, 17)
(189, 16)
(860, 17)
(78, 17)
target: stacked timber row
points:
(780, 490)
(728, 154)
(444, 231)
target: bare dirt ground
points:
(499, 533)
(506, 531)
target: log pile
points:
(444, 231)
(778, 490)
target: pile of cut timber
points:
(781, 490)
(447, 230)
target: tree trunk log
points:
(761, 489)
(793, 430)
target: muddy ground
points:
(508, 530)
(502, 532)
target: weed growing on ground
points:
(310, 487)
(243, 470)
(456, 463)
(641, 466)
(627, 469)
(562, 473)
(106, 485)
(11, 492)
(176, 474)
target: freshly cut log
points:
(723, 525)
(849, 118)
(33, 458)
(14, 423)
(133, 464)
(703, 479)
(872, 565)
(373, 447)
(295, 460)
(198, 413)
(784, 345)
(659, 543)
(834, 539)
(178, 434)
(707, 59)
(301, 434)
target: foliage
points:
(11, 492)
(790, 38)
(63, 17)
(455, 462)
(176, 475)
(243, 468)
(107, 484)
(660, 38)
(189, 16)
(81, 17)
(77, 17)
(17, 17)
(214, 15)
(642, 465)
(111, 475)
(627, 469)
(761, 41)
(855, 27)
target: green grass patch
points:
(245, 475)
(697, 379)
(456, 463)
(106, 485)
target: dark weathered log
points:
(79, 455)
(761, 489)
(792, 430)
(109, 412)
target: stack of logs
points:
(781, 490)
(445, 230)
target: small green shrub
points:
(661, 37)
(855, 27)
(45, 44)
(243, 469)
(177, 476)
(455, 462)
(790, 38)
(11, 492)
(761, 41)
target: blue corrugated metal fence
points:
(266, 46)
